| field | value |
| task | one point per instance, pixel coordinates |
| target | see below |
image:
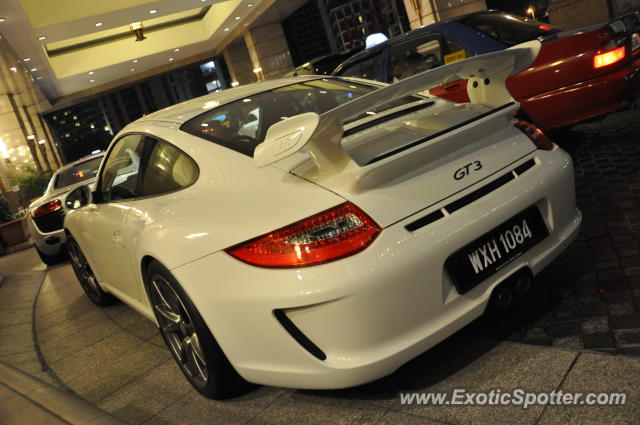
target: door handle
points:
(117, 239)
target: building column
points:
(425, 12)
(269, 51)
(239, 63)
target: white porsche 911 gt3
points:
(318, 232)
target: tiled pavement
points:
(588, 298)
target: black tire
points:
(51, 260)
(190, 341)
(85, 275)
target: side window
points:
(454, 51)
(366, 68)
(414, 56)
(168, 169)
(119, 178)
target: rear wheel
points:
(189, 339)
(85, 276)
(50, 259)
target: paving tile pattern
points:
(590, 297)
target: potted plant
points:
(13, 229)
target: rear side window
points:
(508, 29)
(367, 68)
(168, 169)
(415, 56)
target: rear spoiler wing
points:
(322, 134)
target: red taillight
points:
(330, 235)
(608, 58)
(535, 134)
(46, 208)
(545, 27)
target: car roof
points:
(182, 112)
(412, 33)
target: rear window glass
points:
(509, 29)
(80, 172)
(242, 125)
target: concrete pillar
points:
(425, 12)
(571, 14)
(269, 51)
(239, 63)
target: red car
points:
(578, 75)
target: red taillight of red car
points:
(535, 134)
(328, 236)
(46, 208)
(608, 58)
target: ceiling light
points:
(137, 28)
(153, 11)
(42, 141)
(99, 24)
(33, 69)
(3, 19)
(237, 18)
(14, 69)
(170, 59)
(235, 84)
(31, 137)
(38, 78)
(135, 61)
(250, 4)
(92, 81)
(176, 50)
(226, 29)
(91, 72)
(26, 59)
(257, 70)
(132, 69)
(42, 37)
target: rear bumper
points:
(49, 243)
(376, 310)
(573, 104)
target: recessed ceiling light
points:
(91, 72)
(34, 69)
(226, 29)
(98, 24)
(42, 37)
(170, 59)
(250, 4)
(132, 69)
(13, 69)
(38, 78)
(135, 61)
(153, 11)
(3, 19)
(176, 50)
(26, 59)
(237, 18)
(92, 81)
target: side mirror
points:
(78, 197)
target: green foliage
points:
(32, 183)
(5, 210)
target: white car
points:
(46, 214)
(358, 226)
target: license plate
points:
(494, 250)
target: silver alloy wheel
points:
(83, 270)
(178, 329)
